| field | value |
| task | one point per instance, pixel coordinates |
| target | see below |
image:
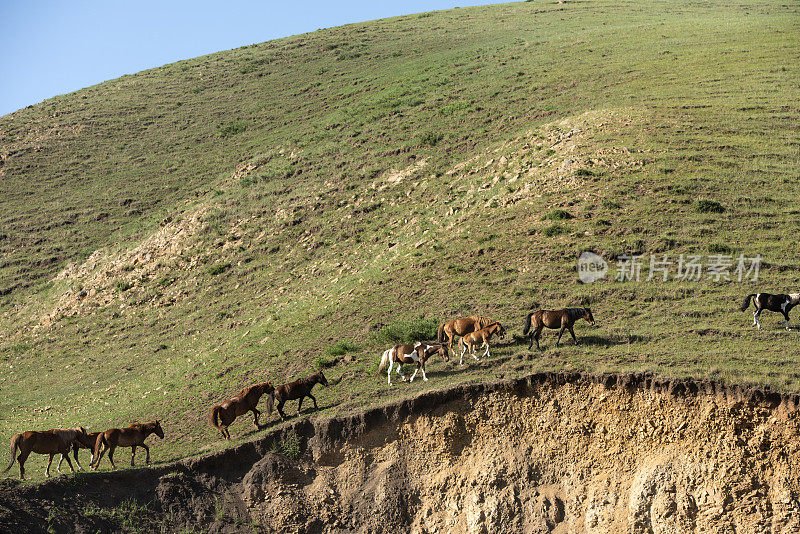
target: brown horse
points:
(84, 441)
(462, 326)
(418, 353)
(225, 413)
(469, 341)
(132, 436)
(52, 442)
(563, 319)
(299, 389)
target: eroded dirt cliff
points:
(547, 453)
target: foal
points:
(132, 436)
(460, 327)
(563, 319)
(469, 341)
(225, 413)
(52, 442)
(299, 389)
(776, 303)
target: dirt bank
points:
(547, 453)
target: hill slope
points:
(173, 235)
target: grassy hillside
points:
(171, 236)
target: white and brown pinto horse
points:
(777, 303)
(484, 335)
(52, 442)
(417, 353)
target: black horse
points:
(777, 303)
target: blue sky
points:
(52, 47)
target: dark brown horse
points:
(418, 353)
(52, 442)
(563, 319)
(460, 327)
(132, 436)
(299, 389)
(84, 441)
(469, 341)
(225, 413)
(777, 303)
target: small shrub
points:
(340, 348)
(123, 285)
(406, 331)
(218, 268)
(584, 172)
(709, 206)
(610, 204)
(323, 362)
(430, 138)
(558, 215)
(554, 230)
(289, 446)
(229, 130)
(549, 152)
(719, 248)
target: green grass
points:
(376, 179)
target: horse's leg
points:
(536, 335)
(573, 335)
(65, 456)
(75, 453)
(314, 400)
(400, 371)
(256, 413)
(756, 315)
(560, 333)
(786, 316)
(422, 366)
(389, 374)
(485, 354)
(111, 456)
(21, 459)
(133, 453)
(280, 410)
(415, 372)
(58, 467)
(147, 450)
(47, 469)
(300, 404)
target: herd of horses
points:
(474, 332)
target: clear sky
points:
(52, 47)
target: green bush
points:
(229, 130)
(340, 348)
(406, 331)
(554, 230)
(430, 138)
(123, 286)
(709, 206)
(218, 268)
(558, 215)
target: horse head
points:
(501, 332)
(587, 314)
(321, 378)
(157, 430)
(443, 352)
(267, 387)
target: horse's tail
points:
(213, 417)
(440, 334)
(14, 446)
(527, 324)
(747, 301)
(385, 359)
(101, 442)
(270, 401)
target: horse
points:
(776, 303)
(417, 353)
(225, 413)
(52, 442)
(299, 389)
(563, 319)
(132, 436)
(84, 441)
(461, 326)
(469, 341)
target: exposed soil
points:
(547, 453)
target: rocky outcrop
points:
(547, 453)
